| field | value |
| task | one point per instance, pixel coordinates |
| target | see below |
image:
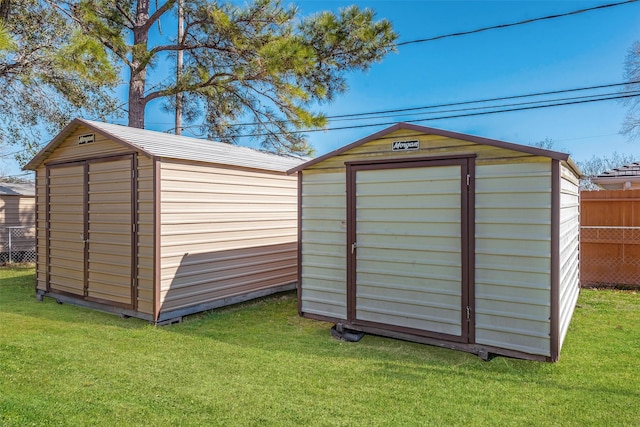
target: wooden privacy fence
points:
(610, 238)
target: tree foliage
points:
(46, 75)
(631, 123)
(259, 69)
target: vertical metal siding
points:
(224, 232)
(569, 248)
(323, 260)
(513, 220)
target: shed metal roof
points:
(166, 145)
(433, 131)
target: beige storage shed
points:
(158, 226)
(17, 222)
(442, 238)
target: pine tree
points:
(261, 64)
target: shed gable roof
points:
(15, 189)
(433, 131)
(159, 144)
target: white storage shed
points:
(442, 238)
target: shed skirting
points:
(165, 317)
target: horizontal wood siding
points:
(569, 248)
(224, 232)
(323, 237)
(18, 211)
(145, 229)
(513, 256)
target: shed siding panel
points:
(69, 150)
(224, 232)
(145, 229)
(569, 248)
(323, 261)
(513, 250)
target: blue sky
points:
(583, 50)
(575, 51)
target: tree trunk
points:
(5, 9)
(138, 67)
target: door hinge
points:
(468, 313)
(134, 228)
(468, 179)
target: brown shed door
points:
(408, 256)
(90, 230)
(66, 229)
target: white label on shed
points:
(405, 145)
(86, 139)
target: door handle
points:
(354, 245)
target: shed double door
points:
(89, 230)
(409, 227)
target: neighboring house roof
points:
(12, 189)
(159, 144)
(455, 135)
(632, 169)
(624, 177)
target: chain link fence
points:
(17, 245)
(610, 256)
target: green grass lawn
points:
(260, 364)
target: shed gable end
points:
(405, 144)
(85, 143)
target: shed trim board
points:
(555, 260)
(516, 255)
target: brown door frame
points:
(467, 241)
(134, 218)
